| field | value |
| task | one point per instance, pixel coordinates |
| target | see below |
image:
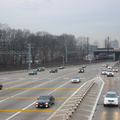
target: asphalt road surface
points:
(20, 91)
(109, 112)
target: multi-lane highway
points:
(20, 91)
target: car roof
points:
(81, 68)
(111, 92)
(76, 77)
(114, 67)
(104, 70)
(46, 96)
(110, 70)
(32, 70)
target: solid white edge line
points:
(64, 103)
(91, 116)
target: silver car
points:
(115, 69)
(76, 80)
(32, 72)
(103, 72)
(110, 73)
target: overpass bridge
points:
(114, 52)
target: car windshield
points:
(81, 68)
(40, 67)
(115, 68)
(44, 98)
(75, 77)
(111, 95)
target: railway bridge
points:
(111, 51)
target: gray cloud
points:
(94, 18)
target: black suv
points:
(53, 70)
(41, 69)
(1, 86)
(81, 70)
(45, 101)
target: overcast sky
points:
(96, 19)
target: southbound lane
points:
(17, 99)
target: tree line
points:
(45, 47)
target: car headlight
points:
(36, 103)
(46, 103)
(105, 100)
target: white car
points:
(103, 72)
(105, 65)
(111, 98)
(115, 69)
(76, 80)
(109, 67)
(110, 73)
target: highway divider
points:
(69, 107)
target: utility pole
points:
(29, 56)
(87, 46)
(108, 46)
(66, 49)
(66, 53)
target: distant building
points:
(114, 44)
(107, 43)
(92, 47)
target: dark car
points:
(1, 86)
(45, 101)
(32, 72)
(81, 70)
(41, 69)
(54, 70)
